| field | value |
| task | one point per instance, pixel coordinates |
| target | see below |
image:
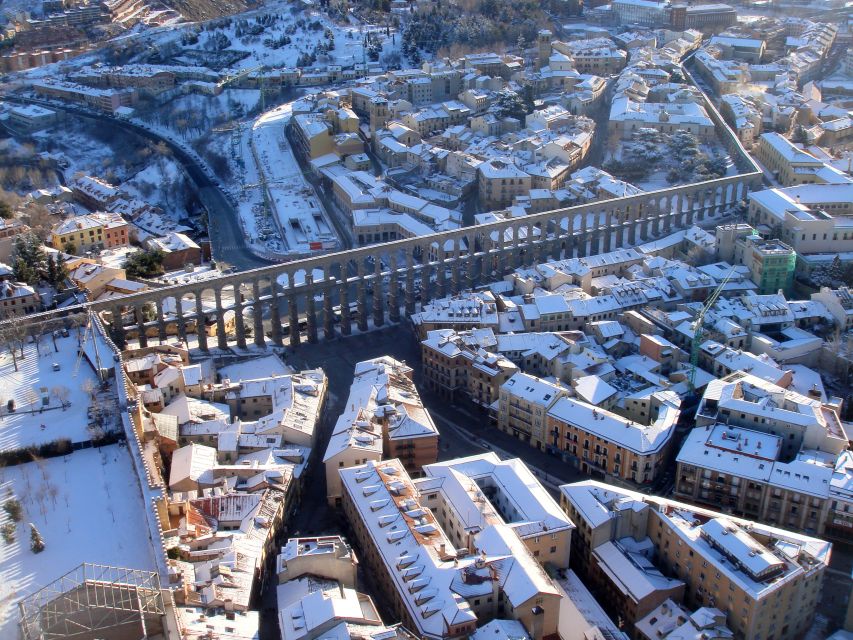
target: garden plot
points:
(652, 160)
(55, 395)
(86, 507)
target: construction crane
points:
(89, 328)
(230, 79)
(698, 325)
(236, 130)
(236, 127)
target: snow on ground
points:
(159, 184)
(84, 154)
(256, 368)
(193, 115)
(348, 39)
(657, 179)
(87, 507)
(35, 379)
(301, 218)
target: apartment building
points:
(725, 76)
(551, 117)
(312, 134)
(93, 231)
(381, 225)
(646, 13)
(672, 621)
(741, 471)
(178, 249)
(803, 422)
(499, 182)
(743, 116)
(702, 17)
(148, 79)
(283, 405)
(790, 164)
(771, 263)
(383, 418)
(470, 310)
(94, 193)
(637, 548)
(17, 299)
(470, 494)
(329, 557)
(436, 589)
(812, 219)
(839, 303)
(599, 56)
(524, 402)
(109, 100)
(31, 117)
(606, 444)
(455, 364)
(627, 116)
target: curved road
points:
(226, 236)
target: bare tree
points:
(89, 387)
(31, 397)
(61, 393)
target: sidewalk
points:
(551, 470)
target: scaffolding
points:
(93, 599)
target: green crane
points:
(699, 324)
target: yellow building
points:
(94, 231)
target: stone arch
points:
(228, 300)
(730, 198)
(185, 314)
(719, 199)
(167, 320)
(206, 317)
(264, 299)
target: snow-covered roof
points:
(432, 582)
(639, 438)
(632, 573)
(525, 505)
(382, 401)
(758, 558)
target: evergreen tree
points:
(12, 507)
(510, 105)
(56, 272)
(835, 272)
(799, 136)
(36, 541)
(30, 259)
(5, 210)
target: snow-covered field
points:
(87, 507)
(146, 175)
(36, 379)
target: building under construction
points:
(98, 601)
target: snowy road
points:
(226, 236)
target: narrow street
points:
(462, 432)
